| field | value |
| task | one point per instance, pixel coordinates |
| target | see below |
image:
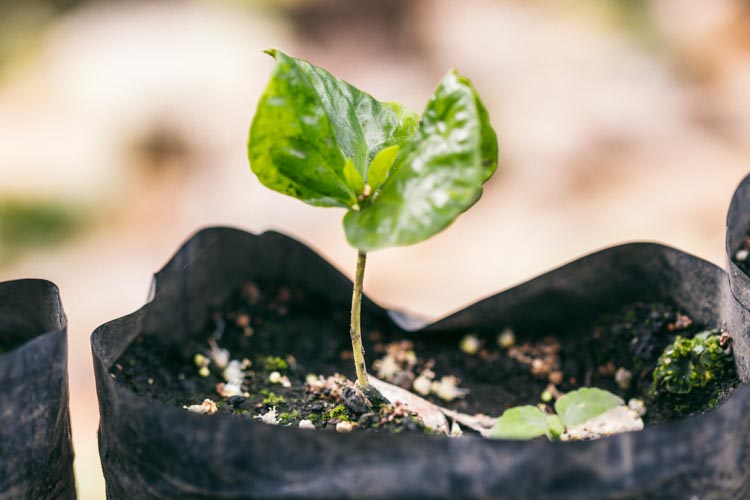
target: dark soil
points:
(283, 329)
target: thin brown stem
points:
(355, 329)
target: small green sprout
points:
(572, 409)
(400, 177)
(270, 398)
(275, 364)
(691, 363)
(338, 413)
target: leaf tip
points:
(270, 52)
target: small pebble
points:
(422, 384)
(470, 344)
(274, 377)
(506, 339)
(233, 373)
(623, 378)
(637, 406)
(269, 417)
(229, 389)
(306, 424)
(742, 255)
(242, 320)
(546, 396)
(236, 400)
(344, 427)
(447, 388)
(208, 407)
(219, 356)
(456, 430)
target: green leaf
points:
(381, 167)
(556, 427)
(522, 423)
(353, 178)
(437, 174)
(308, 123)
(577, 407)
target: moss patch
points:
(275, 364)
(694, 373)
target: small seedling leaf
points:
(577, 407)
(353, 178)
(522, 423)
(381, 167)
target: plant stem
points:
(355, 329)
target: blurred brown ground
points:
(124, 124)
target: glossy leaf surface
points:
(323, 141)
(525, 422)
(576, 407)
(435, 177)
(309, 123)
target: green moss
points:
(271, 398)
(338, 413)
(275, 364)
(314, 418)
(691, 363)
(691, 376)
(288, 418)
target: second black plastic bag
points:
(36, 455)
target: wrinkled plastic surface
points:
(151, 450)
(36, 456)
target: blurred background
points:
(123, 129)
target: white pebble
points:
(456, 430)
(268, 418)
(344, 427)
(233, 373)
(229, 389)
(447, 389)
(306, 424)
(208, 407)
(470, 344)
(742, 255)
(506, 339)
(219, 356)
(623, 377)
(638, 406)
(422, 384)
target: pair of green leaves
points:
(574, 408)
(321, 140)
